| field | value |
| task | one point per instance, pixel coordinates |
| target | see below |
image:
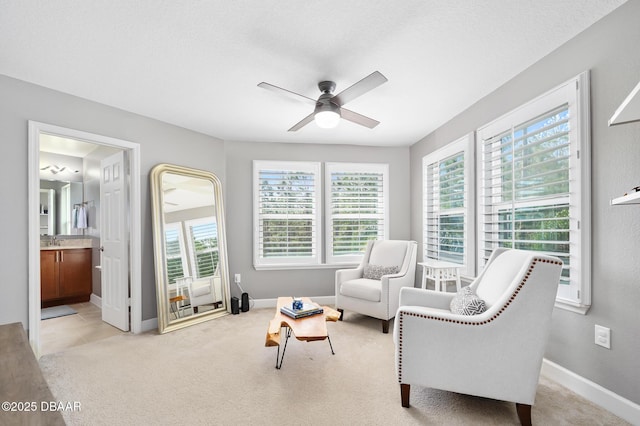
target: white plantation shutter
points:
(203, 244)
(448, 204)
(525, 186)
(287, 222)
(534, 183)
(176, 259)
(356, 208)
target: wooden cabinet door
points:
(49, 275)
(75, 272)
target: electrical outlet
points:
(603, 336)
(237, 279)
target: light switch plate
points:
(603, 336)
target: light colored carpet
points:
(220, 372)
(56, 311)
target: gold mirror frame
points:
(169, 313)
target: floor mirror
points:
(191, 265)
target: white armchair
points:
(205, 291)
(496, 354)
(357, 291)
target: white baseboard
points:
(621, 407)
(150, 324)
(271, 303)
(96, 300)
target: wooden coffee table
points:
(308, 329)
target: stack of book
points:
(306, 310)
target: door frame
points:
(135, 227)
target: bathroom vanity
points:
(65, 275)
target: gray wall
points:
(238, 198)
(162, 142)
(610, 50)
(159, 142)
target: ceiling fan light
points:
(327, 119)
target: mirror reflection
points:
(60, 203)
(191, 271)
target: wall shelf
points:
(632, 198)
(629, 109)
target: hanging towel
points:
(74, 218)
(81, 217)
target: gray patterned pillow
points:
(375, 272)
(466, 302)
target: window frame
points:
(576, 296)
(465, 145)
(337, 167)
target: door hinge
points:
(128, 301)
(578, 154)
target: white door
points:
(113, 242)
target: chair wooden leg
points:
(341, 314)
(524, 414)
(385, 326)
(405, 390)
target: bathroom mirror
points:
(192, 279)
(59, 217)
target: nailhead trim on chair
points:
(513, 296)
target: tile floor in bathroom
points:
(58, 334)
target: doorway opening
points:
(131, 280)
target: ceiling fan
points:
(328, 107)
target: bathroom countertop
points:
(69, 244)
(65, 247)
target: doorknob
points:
(101, 248)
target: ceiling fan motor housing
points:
(327, 86)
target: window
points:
(533, 177)
(203, 246)
(176, 259)
(448, 205)
(286, 213)
(288, 207)
(356, 209)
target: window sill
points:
(313, 266)
(572, 307)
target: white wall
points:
(610, 50)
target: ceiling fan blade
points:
(308, 119)
(370, 82)
(288, 93)
(360, 119)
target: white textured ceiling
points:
(196, 64)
